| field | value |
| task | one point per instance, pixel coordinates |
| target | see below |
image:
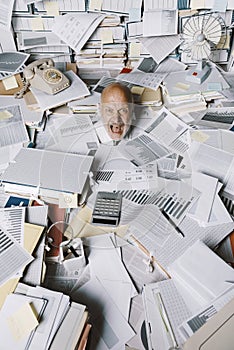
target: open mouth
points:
(116, 130)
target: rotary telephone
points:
(42, 75)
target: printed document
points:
(162, 4)
(143, 149)
(170, 321)
(31, 39)
(150, 80)
(160, 47)
(12, 63)
(7, 43)
(166, 127)
(166, 244)
(123, 6)
(14, 227)
(41, 168)
(76, 28)
(204, 159)
(74, 134)
(13, 257)
(12, 127)
(160, 22)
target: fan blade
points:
(199, 52)
(201, 34)
(190, 27)
(213, 30)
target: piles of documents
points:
(157, 278)
(42, 166)
(38, 318)
(180, 308)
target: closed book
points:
(70, 330)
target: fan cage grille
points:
(209, 24)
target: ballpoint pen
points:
(172, 223)
(166, 322)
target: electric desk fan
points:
(202, 34)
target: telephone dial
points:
(42, 75)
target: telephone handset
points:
(42, 75)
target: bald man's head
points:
(116, 110)
(116, 91)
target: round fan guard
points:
(202, 34)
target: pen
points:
(172, 223)
(74, 252)
(166, 321)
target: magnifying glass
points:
(58, 232)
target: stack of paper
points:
(105, 48)
(41, 44)
(47, 316)
(108, 293)
(41, 168)
(176, 308)
(75, 134)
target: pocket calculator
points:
(107, 208)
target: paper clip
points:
(149, 263)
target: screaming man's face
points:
(116, 118)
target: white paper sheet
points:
(12, 127)
(12, 257)
(160, 47)
(195, 270)
(6, 12)
(110, 330)
(204, 159)
(158, 22)
(150, 80)
(75, 29)
(207, 186)
(12, 303)
(74, 134)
